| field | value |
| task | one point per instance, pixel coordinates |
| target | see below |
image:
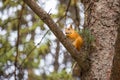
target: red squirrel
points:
(76, 39)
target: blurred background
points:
(28, 49)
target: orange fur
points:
(76, 39)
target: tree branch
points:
(18, 40)
(68, 5)
(45, 17)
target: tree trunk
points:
(100, 18)
(116, 60)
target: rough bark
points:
(45, 17)
(100, 18)
(116, 60)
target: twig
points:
(18, 39)
(77, 21)
(65, 12)
(34, 48)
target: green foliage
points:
(10, 2)
(6, 51)
(61, 9)
(60, 76)
(44, 48)
(88, 38)
(28, 47)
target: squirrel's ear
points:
(70, 25)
